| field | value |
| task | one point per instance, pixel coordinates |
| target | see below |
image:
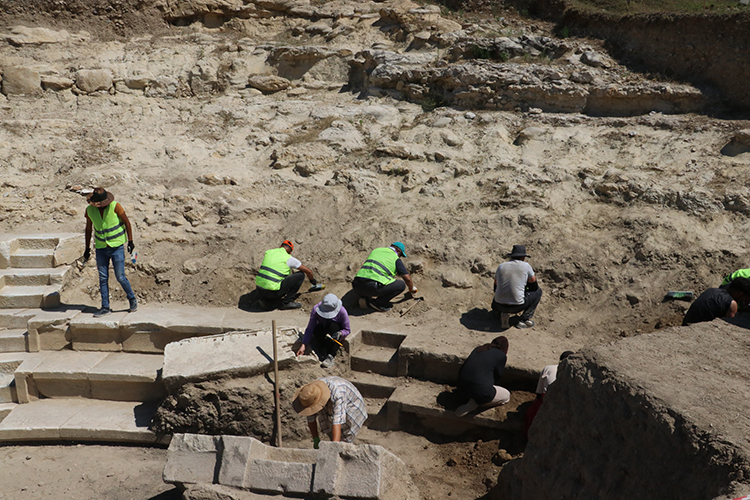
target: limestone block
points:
(6, 246)
(151, 329)
(138, 79)
(268, 83)
(23, 35)
(56, 82)
(69, 248)
(92, 80)
(230, 354)
(288, 477)
(112, 421)
(127, 377)
(192, 459)
(234, 459)
(52, 329)
(65, 373)
(37, 421)
(18, 80)
(348, 470)
(89, 333)
(16, 318)
(25, 386)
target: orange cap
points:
(288, 243)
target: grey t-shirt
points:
(512, 277)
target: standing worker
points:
(277, 284)
(516, 288)
(332, 405)
(110, 225)
(327, 328)
(376, 281)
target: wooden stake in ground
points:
(276, 387)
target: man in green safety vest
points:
(376, 281)
(277, 284)
(109, 223)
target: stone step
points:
(7, 388)
(42, 242)
(13, 340)
(33, 258)
(5, 409)
(376, 359)
(33, 277)
(80, 420)
(424, 407)
(376, 389)
(112, 376)
(45, 297)
(16, 318)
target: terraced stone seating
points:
(32, 268)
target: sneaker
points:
(328, 362)
(463, 410)
(379, 308)
(525, 324)
(133, 305)
(102, 312)
(290, 305)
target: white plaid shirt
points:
(346, 408)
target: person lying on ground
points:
(276, 283)
(376, 281)
(478, 378)
(327, 328)
(719, 303)
(333, 406)
(547, 377)
(516, 288)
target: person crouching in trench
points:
(479, 375)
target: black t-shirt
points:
(480, 373)
(711, 304)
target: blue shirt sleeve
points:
(401, 268)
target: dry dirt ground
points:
(615, 211)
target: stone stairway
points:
(32, 268)
(396, 401)
(69, 375)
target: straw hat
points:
(311, 398)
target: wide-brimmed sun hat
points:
(100, 198)
(400, 246)
(311, 398)
(329, 307)
(518, 251)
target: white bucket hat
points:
(329, 307)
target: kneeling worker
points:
(719, 302)
(516, 288)
(327, 328)
(479, 375)
(332, 405)
(277, 284)
(376, 281)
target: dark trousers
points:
(322, 345)
(284, 295)
(527, 309)
(383, 293)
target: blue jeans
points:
(117, 255)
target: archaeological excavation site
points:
(206, 204)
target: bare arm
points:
(307, 272)
(336, 432)
(313, 428)
(531, 280)
(732, 310)
(124, 218)
(409, 284)
(89, 229)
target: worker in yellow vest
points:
(277, 283)
(107, 220)
(376, 281)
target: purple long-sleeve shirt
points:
(342, 318)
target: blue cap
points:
(400, 246)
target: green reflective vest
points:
(740, 273)
(380, 266)
(273, 269)
(109, 231)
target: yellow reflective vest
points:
(380, 266)
(109, 231)
(273, 269)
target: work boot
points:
(383, 309)
(525, 324)
(465, 409)
(133, 305)
(290, 305)
(102, 312)
(328, 362)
